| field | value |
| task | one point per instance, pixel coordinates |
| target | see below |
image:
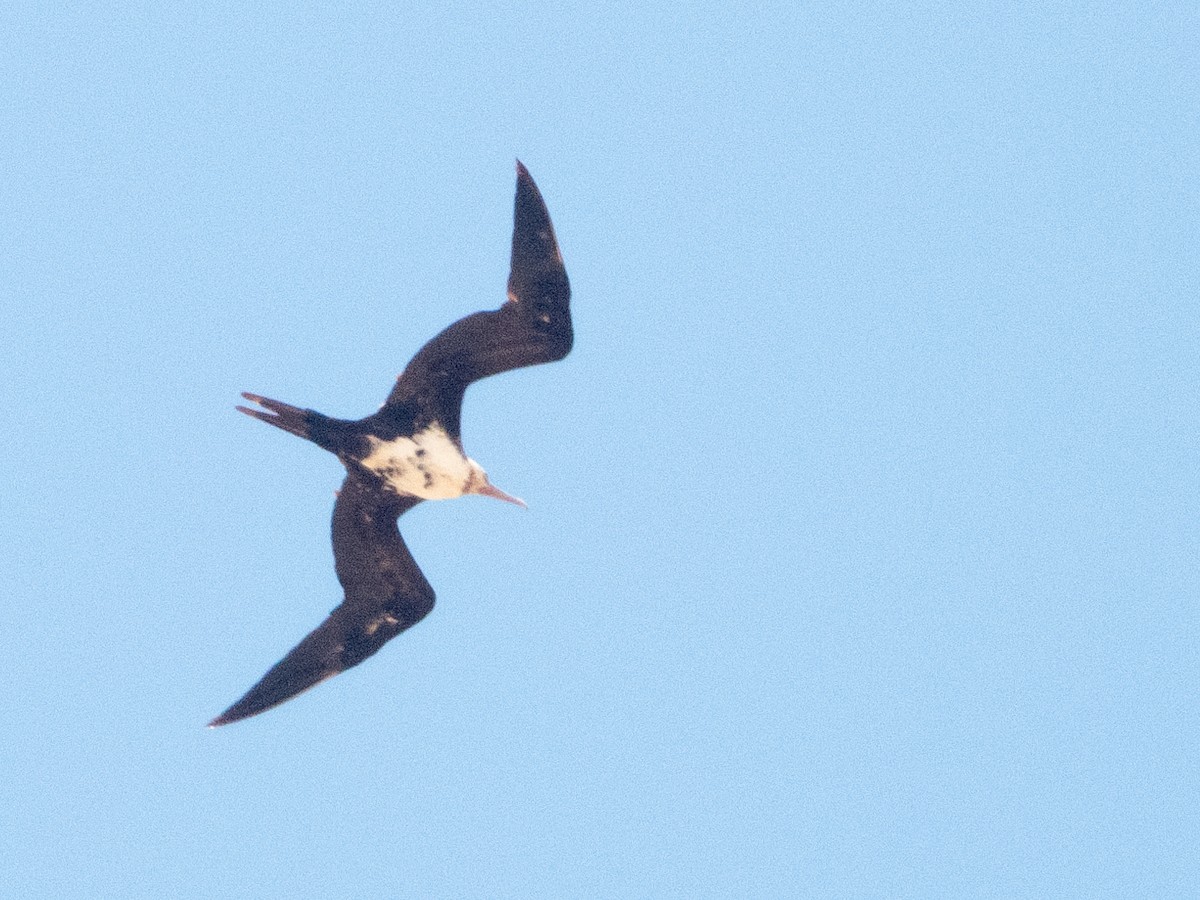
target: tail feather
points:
(281, 415)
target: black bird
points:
(411, 451)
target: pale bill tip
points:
(490, 490)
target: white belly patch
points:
(427, 465)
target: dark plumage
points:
(411, 450)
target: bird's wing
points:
(385, 594)
(533, 326)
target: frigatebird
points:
(411, 450)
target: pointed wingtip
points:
(522, 172)
(251, 704)
(228, 717)
(237, 712)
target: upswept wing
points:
(385, 594)
(532, 327)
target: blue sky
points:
(861, 557)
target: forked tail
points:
(329, 434)
(282, 415)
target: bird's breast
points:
(428, 464)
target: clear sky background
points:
(861, 556)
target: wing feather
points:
(385, 593)
(532, 327)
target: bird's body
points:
(411, 450)
(427, 464)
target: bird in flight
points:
(411, 450)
